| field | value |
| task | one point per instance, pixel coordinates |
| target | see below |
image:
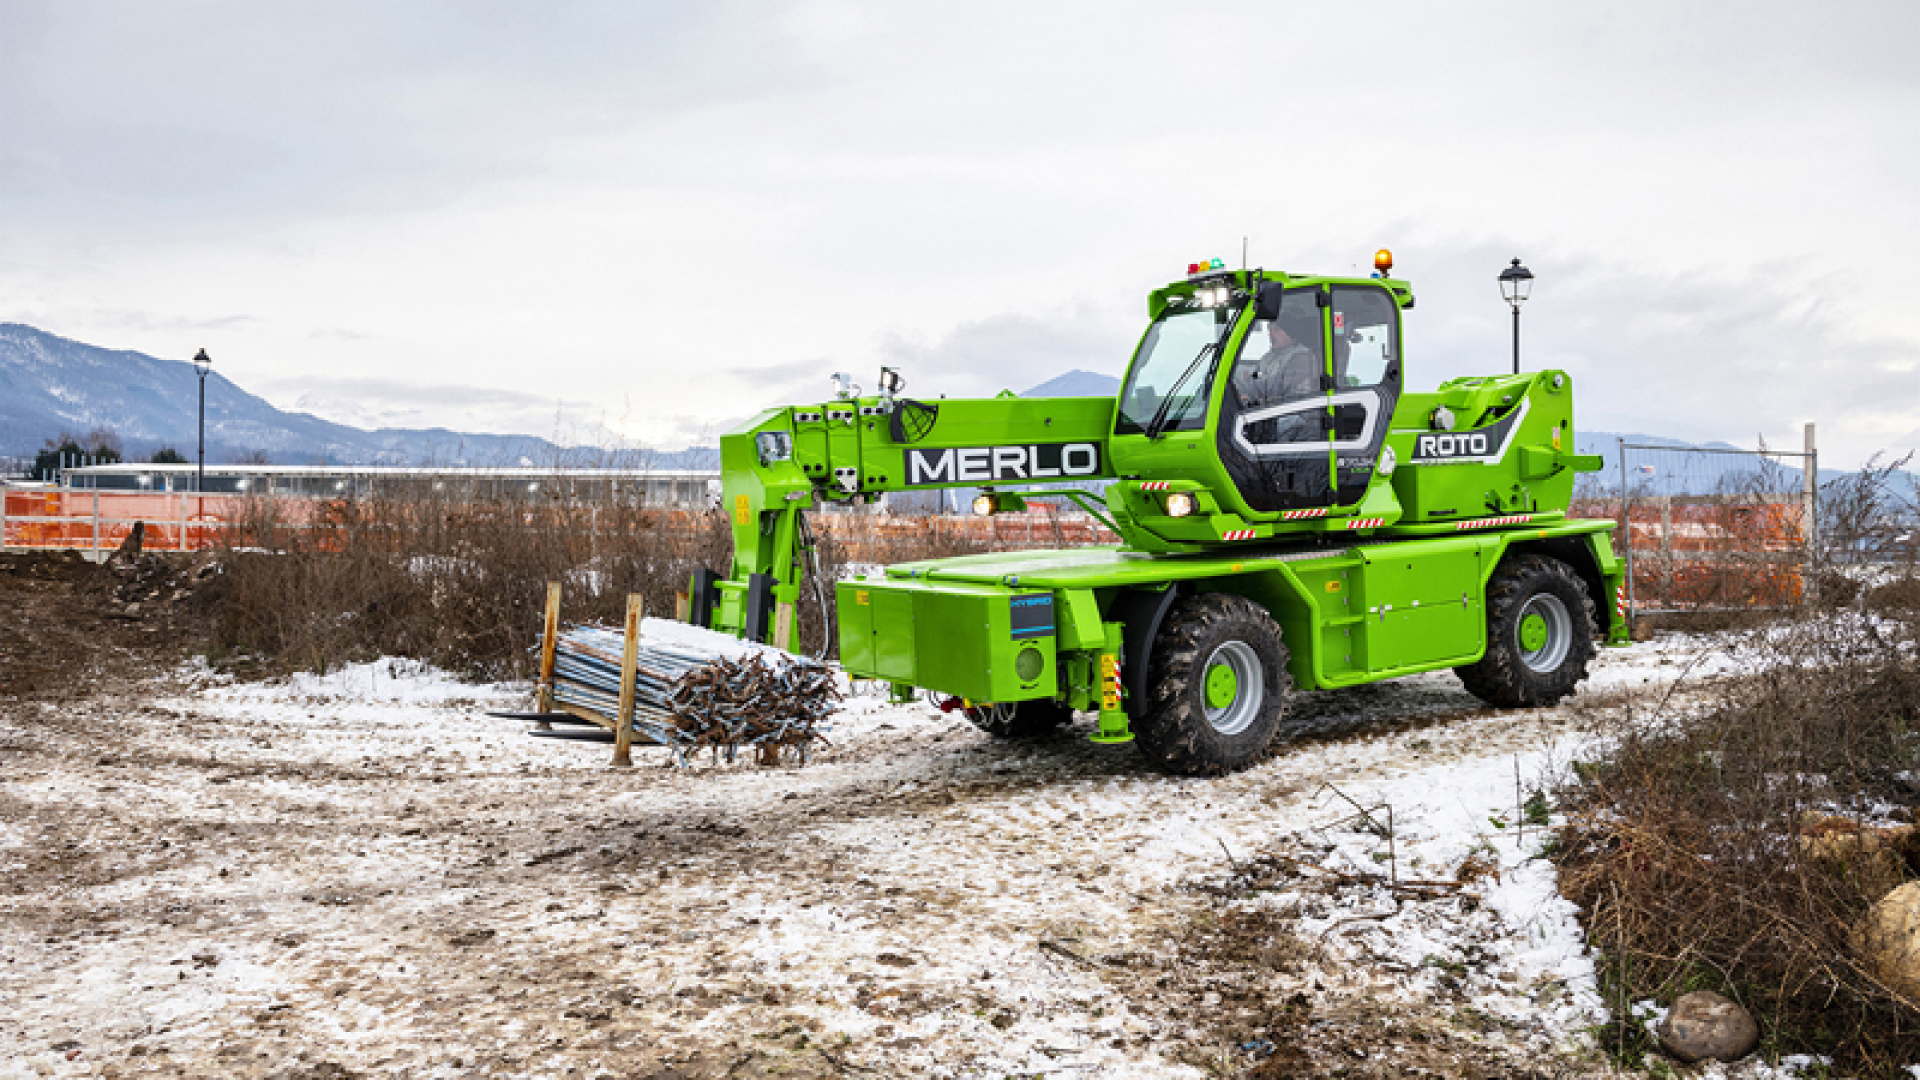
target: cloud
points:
(127, 319)
(698, 210)
(981, 357)
(1697, 353)
(388, 403)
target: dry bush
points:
(1685, 856)
(460, 583)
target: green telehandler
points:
(1290, 517)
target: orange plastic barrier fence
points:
(1695, 552)
(183, 521)
(87, 520)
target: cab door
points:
(1364, 359)
(1276, 431)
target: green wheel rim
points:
(1235, 669)
(1222, 686)
(1545, 633)
(1533, 632)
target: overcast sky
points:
(651, 219)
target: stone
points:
(1703, 1025)
(1875, 857)
(1890, 940)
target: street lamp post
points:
(202, 363)
(1515, 282)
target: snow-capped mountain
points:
(50, 384)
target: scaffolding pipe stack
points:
(685, 697)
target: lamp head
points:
(1516, 282)
(202, 363)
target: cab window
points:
(1366, 339)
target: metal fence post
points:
(1810, 497)
(1666, 550)
(1626, 532)
(96, 525)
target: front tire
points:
(1219, 685)
(1540, 635)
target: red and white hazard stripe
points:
(1296, 515)
(1153, 485)
(1237, 534)
(1620, 600)
(1366, 523)
(1483, 523)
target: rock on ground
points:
(1704, 1025)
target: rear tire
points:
(1218, 688)
(1540, 635)
(1020, 719)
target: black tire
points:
(1181, 730)
(1513, 675)
(1020, 719)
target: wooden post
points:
(629, 660)
(783, 626)
(682, 606)
(549, 638)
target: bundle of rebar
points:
(686, 697)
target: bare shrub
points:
(1856, 506)
(459, 578)
(459, 582)
(1685, 850)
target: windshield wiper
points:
(1152, 430)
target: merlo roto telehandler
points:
(1290, 518)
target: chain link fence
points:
(1709, 529)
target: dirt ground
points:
(209, 880)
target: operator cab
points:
(1312, 387)
(1296, 379)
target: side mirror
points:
(1266, 302)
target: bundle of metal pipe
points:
(686, 697)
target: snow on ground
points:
(361, 870)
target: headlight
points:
(983, 505)
(1442, 419)
(774, 446)
(1179, 504)
(1387, 461)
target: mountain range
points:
(50, 385)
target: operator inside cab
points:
(1288, 370)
